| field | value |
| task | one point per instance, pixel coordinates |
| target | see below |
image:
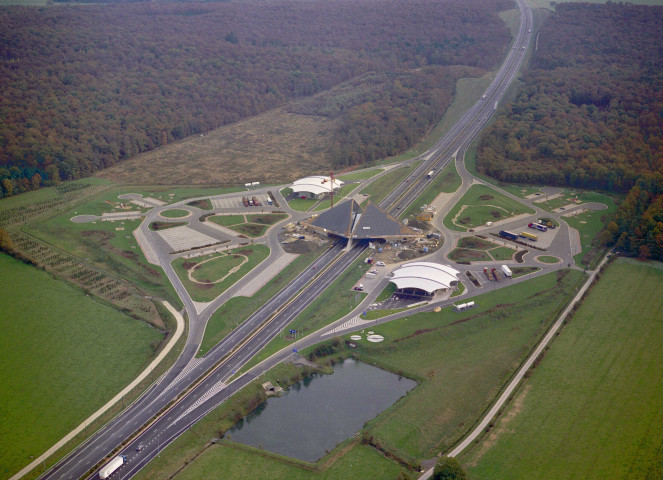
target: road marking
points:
(355, 321)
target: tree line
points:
(88, 86)
(590, 113)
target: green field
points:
(502, 253)
(468, 255)
(64, 355)
(211, 273)
(593, 407)
(547, 259)
(226, 220)
(462, 364)
(481, 204)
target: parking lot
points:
(236, 202)
(185, 238)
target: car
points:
(140, 447)
(359, 288)
(380, 264)
(373, 271)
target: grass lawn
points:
(175, 213)
(388, 291)
(216, 268)
(266, 218)
(448, 181)
(590, 224)
(226, 220)
(502, 253)
(522, 271)
(468, 255)
(481, 204)
(521, 191)
(336, 301)
(203, 204)
(475, 243)
(362, 175)
(547, 259)
(64, 355)
(461, 364)
(301, 204)
(593, 407)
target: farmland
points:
(604, 419)
(95, 367)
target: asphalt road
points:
(245, 341)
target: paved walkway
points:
(117, 398)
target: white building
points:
(316, 186)
(424, 278)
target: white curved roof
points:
(316, 184)
(425, 276)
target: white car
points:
(379, 264)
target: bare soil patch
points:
(273, 147)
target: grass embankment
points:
(213, 274)
(447, 181)
(381, 187)
(336, 301)
(64, 355)
(237, 309)
(482, 204)
(593, 406)
(361, 175)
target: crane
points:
(331, 181)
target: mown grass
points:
(547, 259)
(216, 269)
(226, 220)
(237, 309)
(502, 253)
(593, 407)
(447, 181)
(463, 365)
(174, 213)
(589, 224)
(468, 255)
(480, 201)
(362, 175)
(64, 355)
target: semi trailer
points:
(111, 466)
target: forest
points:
(590, 115)
(87, 86)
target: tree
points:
(448, 468)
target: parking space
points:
(185, 238)
(236, 202)
(544, 238)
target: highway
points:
(181, 403)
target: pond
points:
(319, 412)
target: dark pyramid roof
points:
(339, 220)
(376, 223)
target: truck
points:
(245, 201)
(506, 271)
(111, 466)
(538, 226)
(496, 275)
(531, 236)
(487, 273)
(430, 174)
(256, 202)
(508, 235)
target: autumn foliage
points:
(84, 87)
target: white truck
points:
(111, 466)
(506, 271)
